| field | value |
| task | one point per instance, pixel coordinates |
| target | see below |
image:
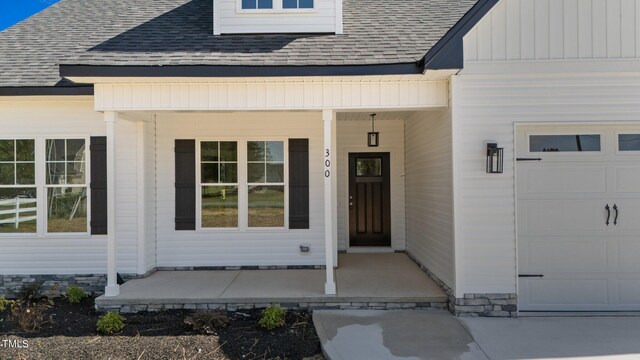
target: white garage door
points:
(578, 211)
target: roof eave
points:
(81, 90)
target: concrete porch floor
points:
(360, 278)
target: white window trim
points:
(277, 9)
(617, 142)
(603, 143)
(41, 189)
(243, 185)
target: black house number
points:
(327, 163)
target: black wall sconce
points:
(373, 137)
(495, 159)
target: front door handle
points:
(608, 213)
(350, 202)
(615, 219)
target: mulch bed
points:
(72, 334)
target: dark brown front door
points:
(369, 200)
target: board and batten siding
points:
(233, 20)
(556, 29)
(487, 109)
(352, 137)
(82, 254)
(233, 247)
(429, 188)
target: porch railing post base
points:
(112, 290)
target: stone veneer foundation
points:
(490, 305)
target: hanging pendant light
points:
(373, 137)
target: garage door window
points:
(564, 143)
(629, 142)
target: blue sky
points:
(14, 11)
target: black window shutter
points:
(98, 148)
(185, 184)
(298, 183)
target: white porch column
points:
(112, 288)
(330, 199)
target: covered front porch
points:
(382, 280)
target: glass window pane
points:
(369, 167)
(266, 206)
(228, 151)
(209, 151)
(56, 173)
(256, 173)
(7, 175)
(306, 4)
(67, 210)
(255, 151)
(25, 173)
(275, 151)
(219, 206)
(629, 142)
(228, 173)
(75, 173)
(55, 150)
(209, 173)
(18, 212)
(265, 4)
(249, 4)
(25, 150)
(562, 143)
(290, 4)
(75, 150)
(7, 150)
(275, 173)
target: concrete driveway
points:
(417, 335)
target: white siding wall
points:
(72, 255)
(234, 248)
(487, 108)
(429, 187)
(322, 19)
(352, 137)
(556, 29)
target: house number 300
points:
(327, 163)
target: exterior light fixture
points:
(495, 159)
(373, 137)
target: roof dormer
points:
(277, 16)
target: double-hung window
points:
(18, 194)
(219, 184)
(276, 5)
(242, 184)
(257, 4)
(297, 4)
(66, 185)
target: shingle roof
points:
(180, 32)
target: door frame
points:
(387, 177)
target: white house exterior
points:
(202, 143)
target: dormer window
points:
(257, 4)
(297, 4)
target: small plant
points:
(110, 323)
(75, 294)
(29, 292)
(29, 316)
(207, 322)
(273, 317)
(4, 304)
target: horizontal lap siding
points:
(68, 255)
(322, 19)
(486, 109)
(352, 137)
(429, 182)
(233, 248)
(556, 29)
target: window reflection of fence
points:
(19, 207)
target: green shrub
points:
(110, 323)
(4, 304)
(273, 317)
(75, 294)
(207, 321)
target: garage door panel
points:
(574, 292)
(554, 217)
(629, 291)
(564, 256)
(627, 180)
(556, 179)
(628, 217)
(627, 256)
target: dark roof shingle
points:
(180, 32)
